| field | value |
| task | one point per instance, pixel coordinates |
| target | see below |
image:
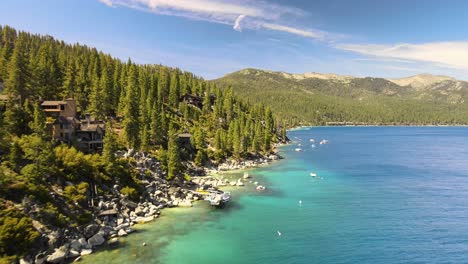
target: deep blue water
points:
(384, 195)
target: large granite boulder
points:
(96, 240)
(91, 230)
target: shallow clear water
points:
(385, 195)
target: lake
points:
(381, 195)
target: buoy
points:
(300, 202)
(144, 244)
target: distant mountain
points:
(318, 98)
(421, 80)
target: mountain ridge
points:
(318, 98)
(416, 81)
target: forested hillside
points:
(320, 99)
(47, 185)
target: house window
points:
(62, 107)
(61, 135)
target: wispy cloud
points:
(315, 34)
(442, 54)
(250, 14)
(237, 23)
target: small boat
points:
(298, 149)
(313, 145)
(312, 140)
(260, 188)
(323, 142)
(299, 144)
(313, 174)
(279, 233)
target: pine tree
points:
(206, 109)
(116, 87)
(218, 142)
(131, 112)
(164, 127)
(236, 140)
(174, 90)
(70, 83)
(199, 139)
(106, 92)
(38, 125)
(46, 72)
(257, 141)
(6, 50)
(17, 81)
(155, 126)
(95, 97)
(110, 145)
(16, 118)
(173, 159)
(269, 124)
(200, 158)
(163, 85)
(15, 156)
(144, 111)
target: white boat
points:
(298, 149)
(323, 142)
(260, 188)
(313, 174)
(312, 140)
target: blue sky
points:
(391, 38)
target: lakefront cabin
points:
(90, 135)
(60, 119)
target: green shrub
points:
(17, 234)
(84, 218)
(187, 177)
(77, 193)
(51, 215)
(131, 193)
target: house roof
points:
(3, 97)
(185, 135)
(47, 103)
(90, 127)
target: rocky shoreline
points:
(115, 214)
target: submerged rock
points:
(122, 233)
(142, 219)
(85, 252)
(73, 253)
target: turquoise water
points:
(385, 195)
